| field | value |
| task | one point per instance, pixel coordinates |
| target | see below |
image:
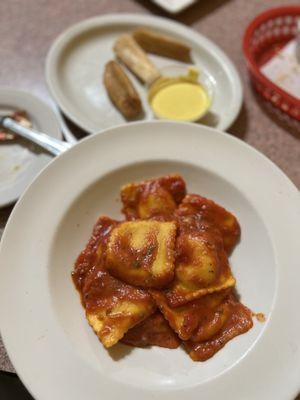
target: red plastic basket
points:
(264, 37)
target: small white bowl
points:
(176, 70)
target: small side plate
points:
(21, 161)
(76, 60)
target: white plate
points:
(76, 60)
(47, 337)
(42, 321)
(174, 6)
(21, 161)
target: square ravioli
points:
(153, 331)
(113, 307)
(162, 277)
(202, 315)
(141, 253)
(237, 319)
(197, 211)
(201, 267)
(93, 251)
(153, 198)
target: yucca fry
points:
(121, 90)
(134, 57)
(162, 45)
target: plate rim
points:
(7, 91)
(173, 9)
(289, 185)
(127, 18)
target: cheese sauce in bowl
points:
(180, 97)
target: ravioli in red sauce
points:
(162, 276)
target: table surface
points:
(27, 29)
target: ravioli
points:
(155, 198)
(237, 319)
(200, 315)
(162, 277)
(153, 331)
(93, 251)
(112, 307)
(198, 212)
(141, 253)
(201, 267)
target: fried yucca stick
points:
(134, 57)
(121, 90)
(162, 45)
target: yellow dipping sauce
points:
(181, 98)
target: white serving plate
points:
(53, 349)
(76, 60)
(21, 161)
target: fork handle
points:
(52, 145)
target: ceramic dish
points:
(76, 60)
(174, 6)
(21, 161)
(53, 349)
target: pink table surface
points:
(27, 29)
